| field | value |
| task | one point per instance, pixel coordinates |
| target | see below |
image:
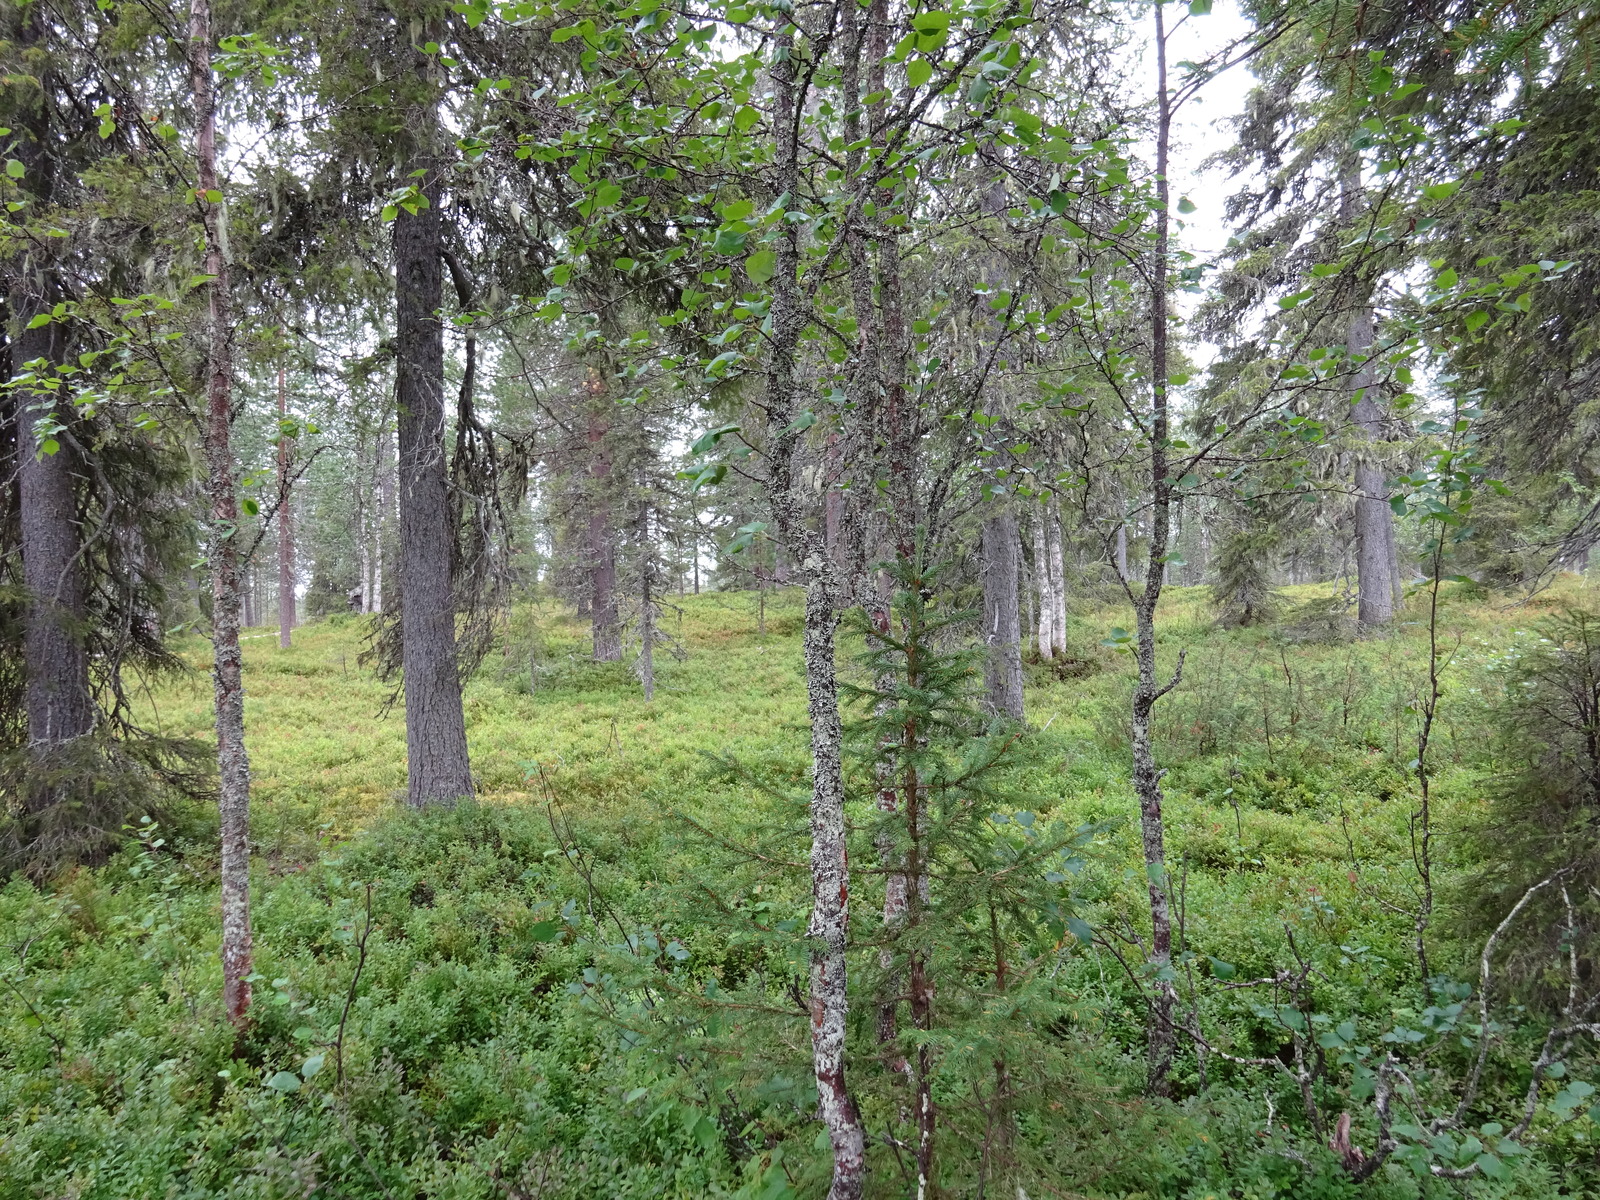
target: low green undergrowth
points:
(590, 982)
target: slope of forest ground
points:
(446, 1009)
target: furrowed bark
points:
(437, 768)
(57, 698)
(227, 662)
(1002, 628)
(1377, 572)
(59, 704)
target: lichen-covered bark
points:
(1146, 775)
(1002, 626)
(791, 503)
(227, 664)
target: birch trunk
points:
(364, 520)
(1042, 580)
(1058, 583)
(385, 487)
(647, 610)
(1160, 1034)
(828, 929)
(286, 573)
(227, 662)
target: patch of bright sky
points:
(1204, 124)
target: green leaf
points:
(729, 241)
(1476, 320)
(709, 439)
(311, 1066)
(250, 506)
(760, 265)
(803, 422)
(1442, 191)
(931, 22)
(1186, 205)
(607, 194)
(1490, 1165)
(15, 169)
(918, 72)
(545, 931)
(284, 1082)
(745, 119)
(40, 321)
(1199, 8)
(1294, 300)
(1222, 970)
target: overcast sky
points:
(1203, 125)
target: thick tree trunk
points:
(56, 693)
(1002, 626)
(1375, 577)
(286, 572)
(59, 703)
(437, 768)
(227, 661)
(603, 618)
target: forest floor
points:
(398, 952)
